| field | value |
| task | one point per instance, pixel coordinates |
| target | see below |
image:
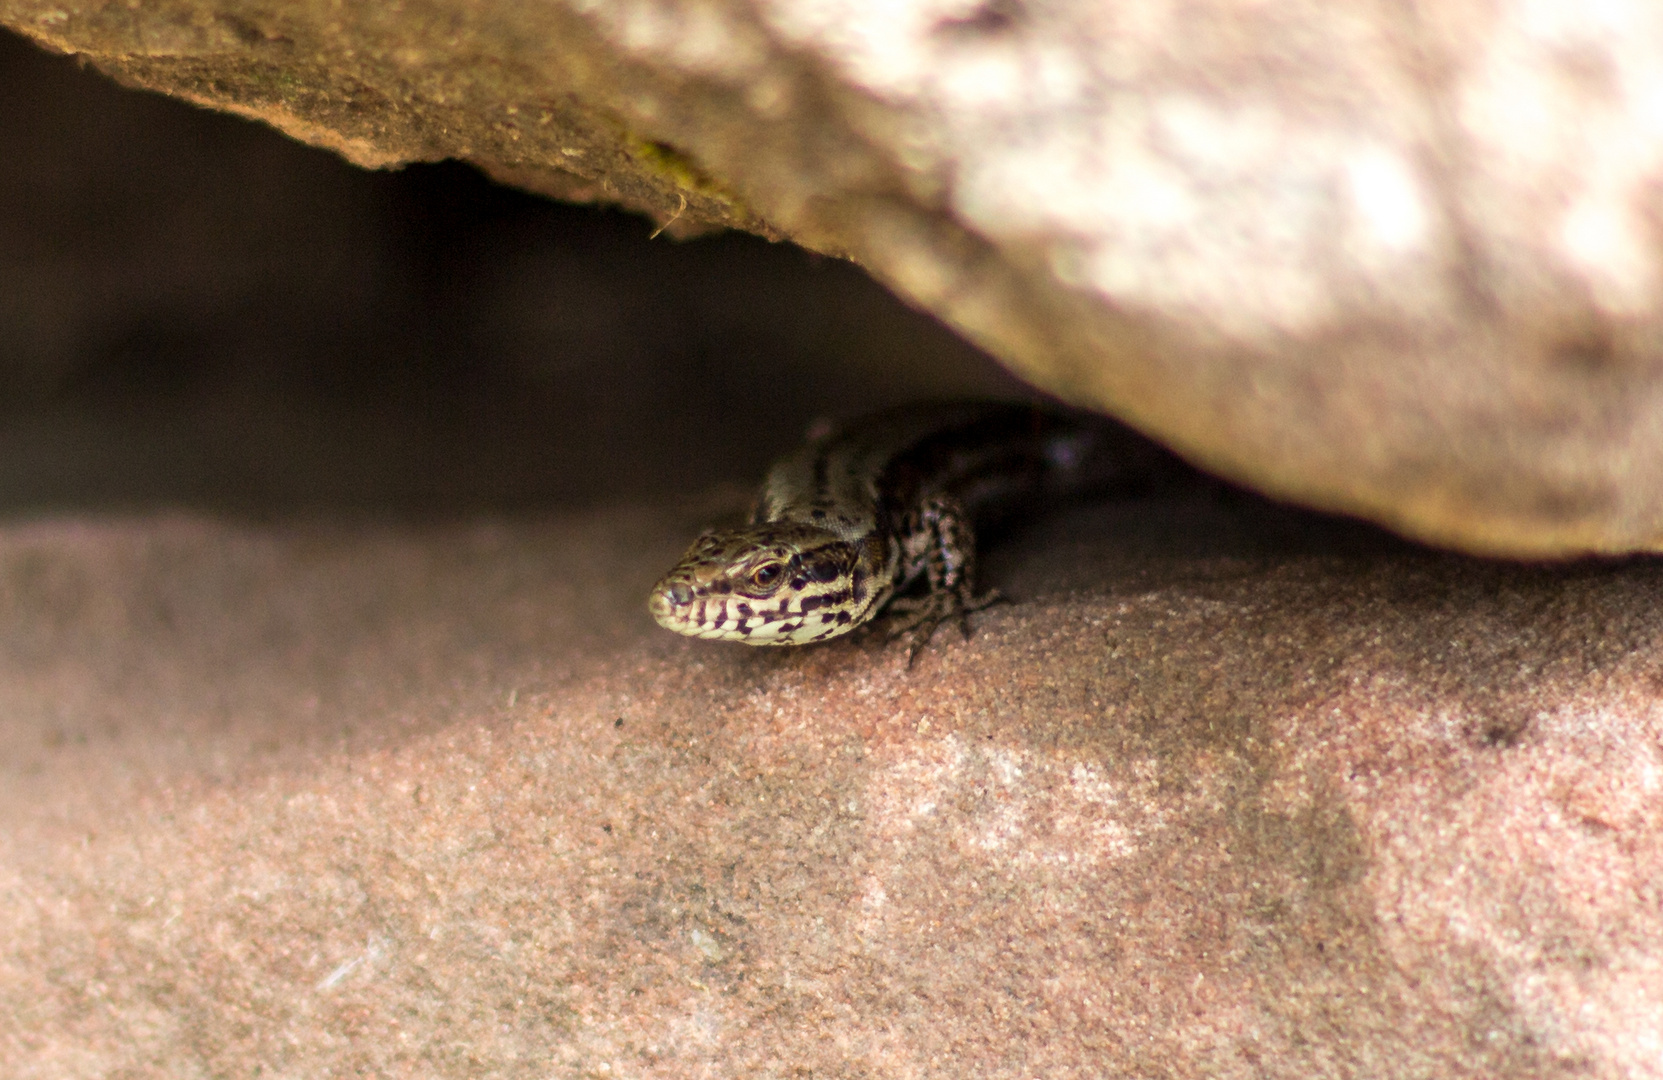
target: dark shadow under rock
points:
(196, 312)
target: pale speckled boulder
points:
(1398, 260)
(327, 801)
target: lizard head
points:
(774, 584)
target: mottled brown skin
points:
(860, 514)
(773, 584)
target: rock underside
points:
(1398, 261)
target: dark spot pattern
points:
(860, 512)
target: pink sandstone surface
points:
(1229, 792)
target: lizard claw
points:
(923, 614)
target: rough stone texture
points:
(306, 801)
(1395, 259)
(289, 791)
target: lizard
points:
(847, 523)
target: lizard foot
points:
(921, 615)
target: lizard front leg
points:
(944, 542)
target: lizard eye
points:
(767, 574)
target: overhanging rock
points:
(1395, 261)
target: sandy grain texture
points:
(1228, 793)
